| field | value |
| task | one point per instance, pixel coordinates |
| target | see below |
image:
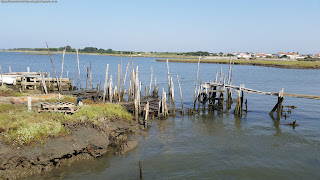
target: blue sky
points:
(165, 25)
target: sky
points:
(165, 25)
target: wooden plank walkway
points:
(207, 86)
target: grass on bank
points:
(20, 127)
(5, 91)
(280, 63)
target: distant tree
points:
(68, 48)
(230, 55)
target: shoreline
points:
(264, 63)
(85, 135)
(84, 142)
(98, 54)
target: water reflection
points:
(276, 124)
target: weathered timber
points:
(105, 84)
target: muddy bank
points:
(276, 64)
(86, 141)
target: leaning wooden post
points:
(180, 95)
(195, 86)
(78, 69)
(54, 69)
(105, 84)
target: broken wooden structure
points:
(61, 107)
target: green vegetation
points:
(279, 63)
(20, 127)
(5, 91)
(94, 50)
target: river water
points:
(208, 145)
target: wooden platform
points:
(33, 82)
(63, 107)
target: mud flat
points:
(86, 141)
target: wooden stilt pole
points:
(105, 84)
(146, 92)
(146, 115)
(10, 69)
(125, 76)
(155, 93)
(43, 83)
(150, 82)
(180, 95)
(78, 69)
(54, 69)
(87, 80)
(91, 75)
(195, 85)
(62, 63)
(168, 76)
(238, 110)
(110, 89)
(172, 97)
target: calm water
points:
(205, 146)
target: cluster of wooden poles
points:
(208, 93)
(118, 93)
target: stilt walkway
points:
(208, 85)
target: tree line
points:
(111, 51)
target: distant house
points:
(280, 54)
(243, 55)
(292, 55)
(316, 55)
(260, 55)
(289, 55)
